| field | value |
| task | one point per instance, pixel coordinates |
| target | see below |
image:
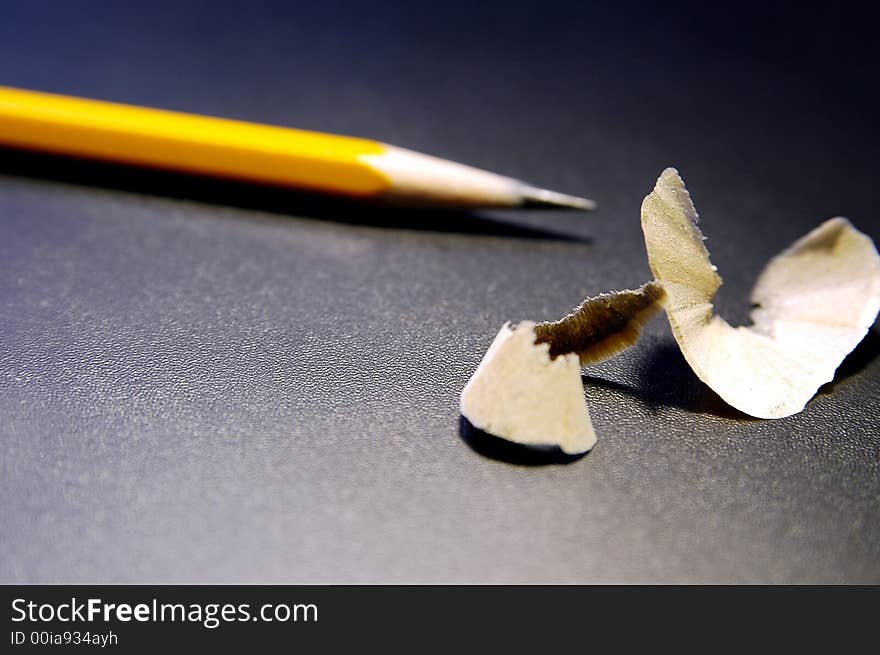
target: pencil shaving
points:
(520, 394)
(815, 302)
(528, 389)
(602, 326)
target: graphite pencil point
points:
(535, 197)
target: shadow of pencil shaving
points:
(488, 445)
(702, 401)
(260, 197)
(862, 355)
(666, 380)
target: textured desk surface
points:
(204, 383)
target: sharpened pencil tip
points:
(535, 197)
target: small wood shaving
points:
(528, 389)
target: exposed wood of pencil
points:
(220, 147)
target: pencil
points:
(204, 145)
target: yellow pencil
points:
(204, 145)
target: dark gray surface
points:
(196, 392)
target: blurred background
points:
(192, 391)
(671, 83)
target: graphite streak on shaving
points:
(815, 302)
(528, 389)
